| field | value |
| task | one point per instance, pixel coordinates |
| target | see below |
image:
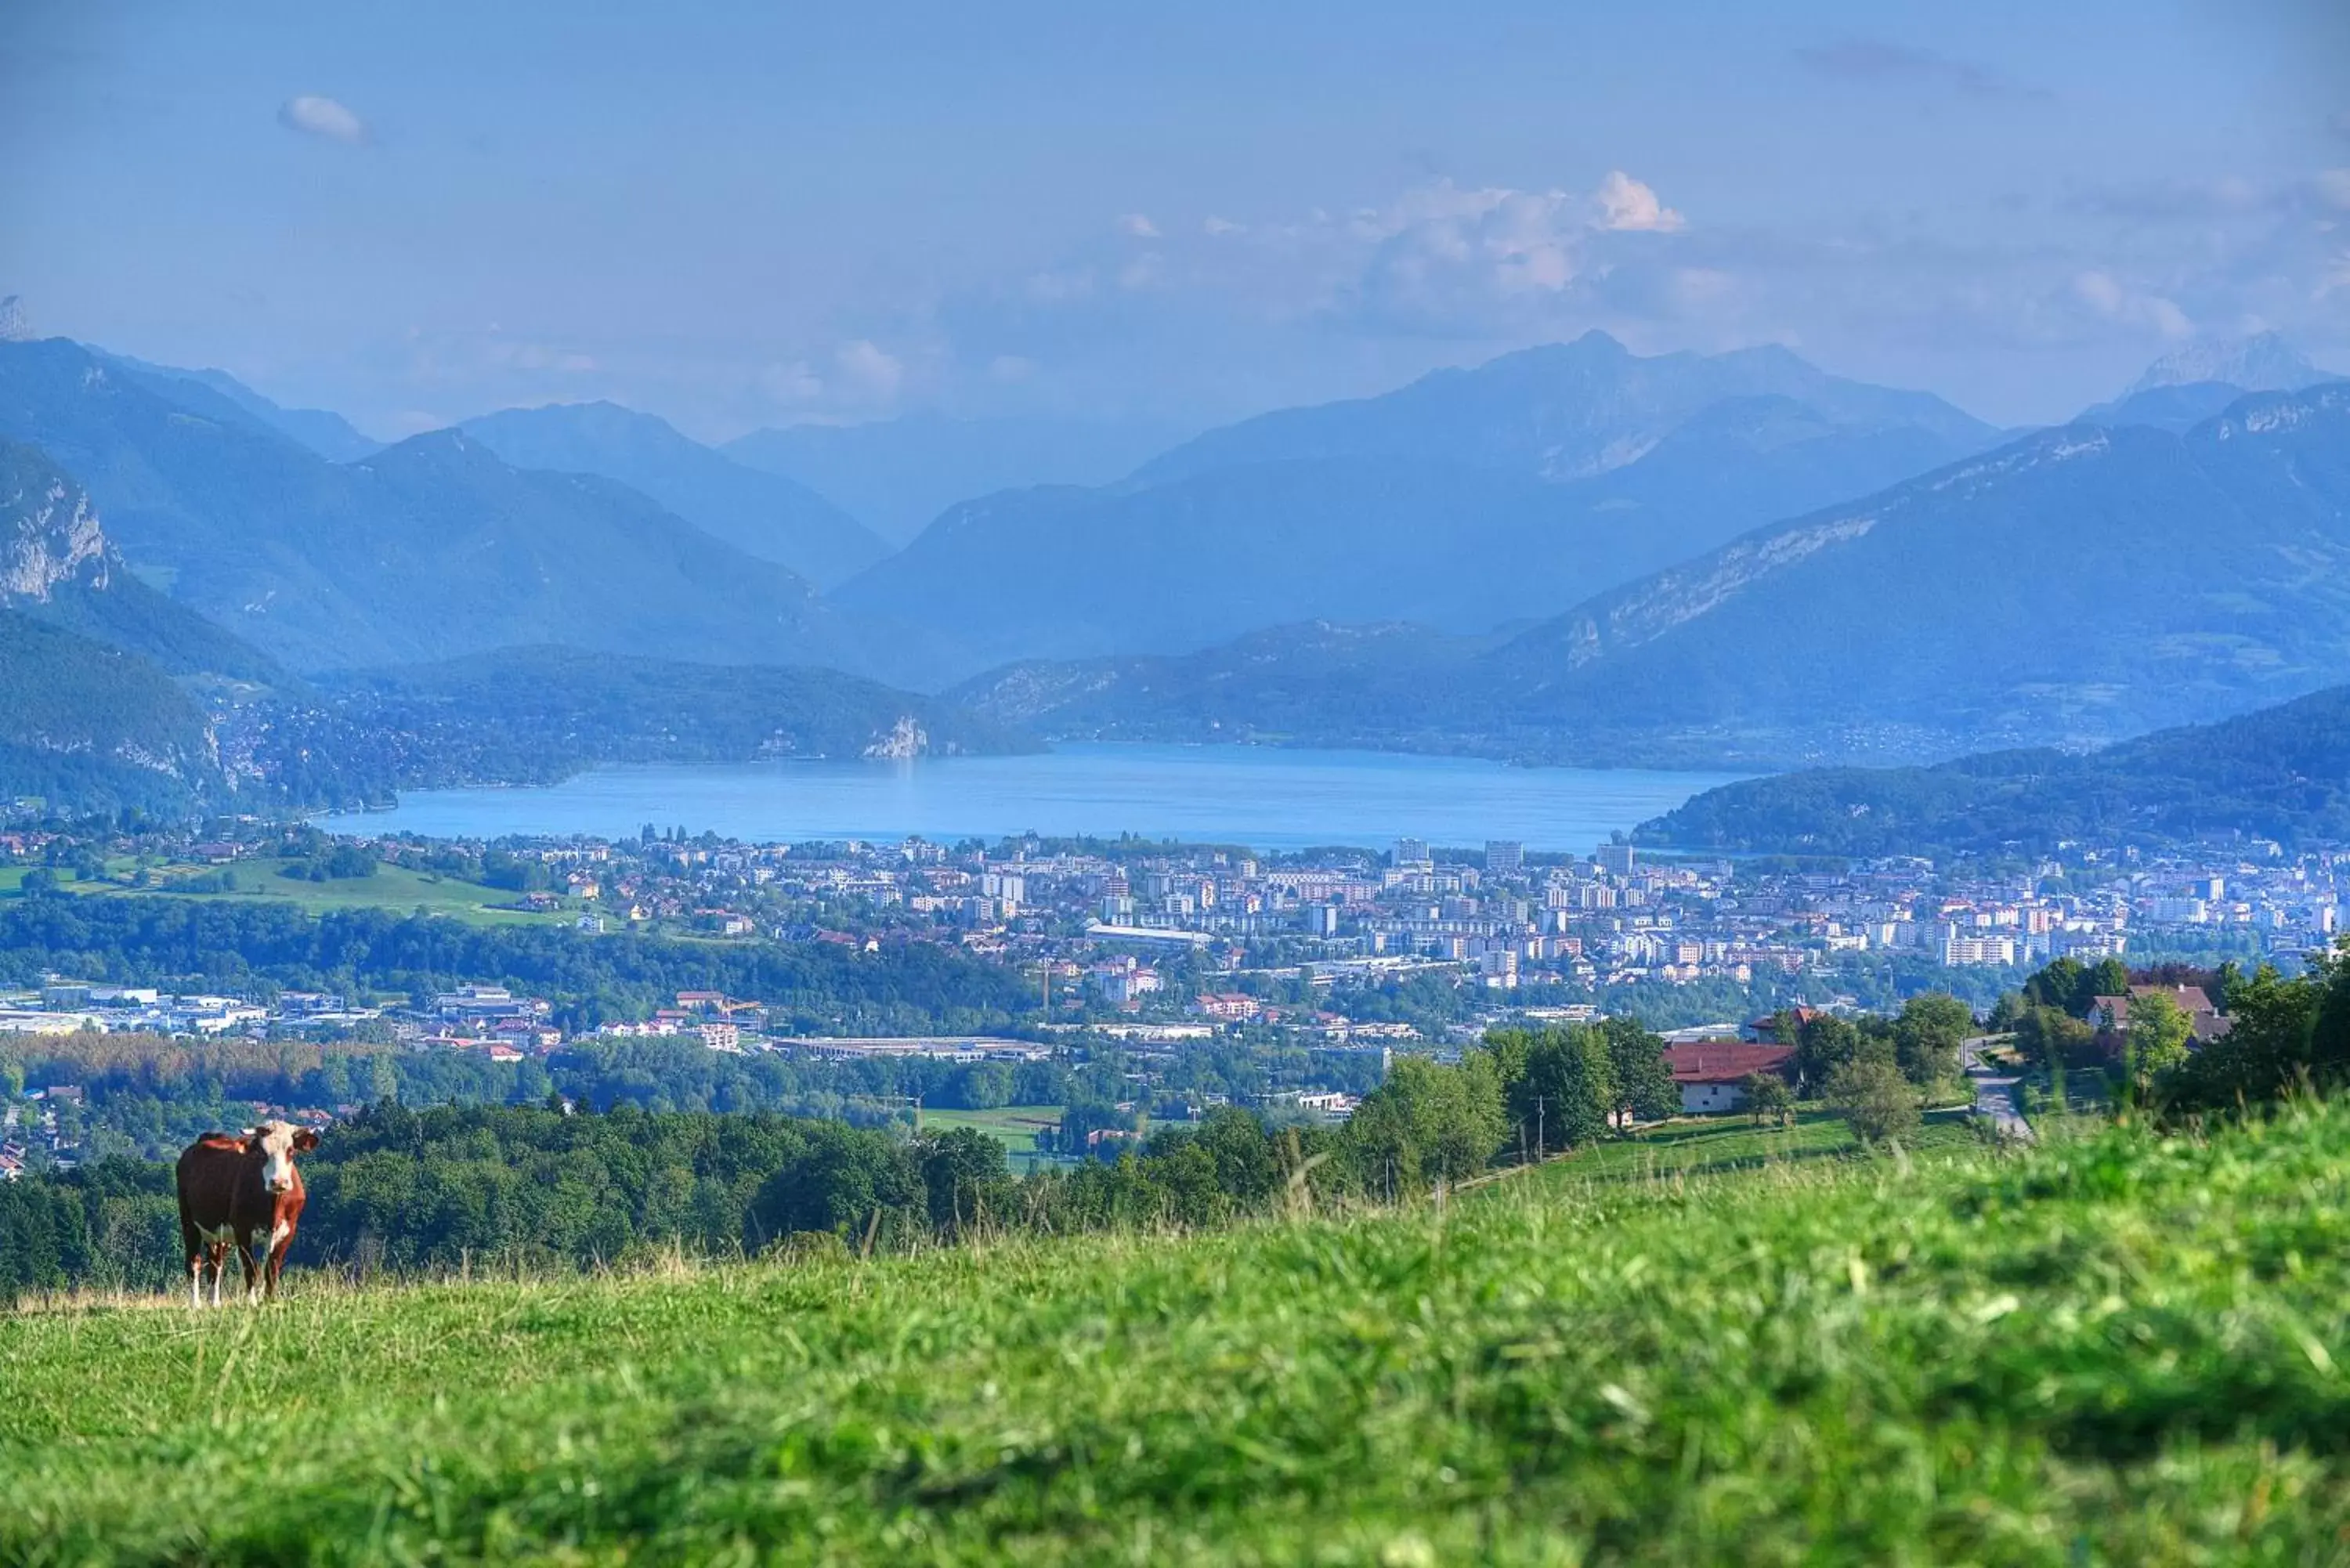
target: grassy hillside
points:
(2114, 1350)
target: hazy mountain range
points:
(759, 513)
(1573, 552)
(897, 475)
(118, 696)
(329, 434)
(2075, 584)
(1466, 500)
(428, 549)
(2190, 384)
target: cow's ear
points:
(250, 1132)
(304, 1141)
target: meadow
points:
(1690, 1146)
(395, 889)
(2115, 1348)
(1013, 1126)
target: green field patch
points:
(1712, 1144)
(1014, 1126)
(395, 889)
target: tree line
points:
(2284, 1035)
(484, 1186)
(146, 1096)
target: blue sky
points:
(739, 214)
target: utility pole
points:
(1541, 1148)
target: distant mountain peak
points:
(769, 515)
(1600, 341)
(451, 450)
(2261, 362)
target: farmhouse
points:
(1711, 1073)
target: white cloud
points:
(1213, 226)
(323, 118)
(1626, 205)
(1445, 253)
(2107, 296)
(2333, 188)
(868, 371)
(1138, 226)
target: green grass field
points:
(2114, 1349)
(1014, 1126)
(1714, 1144)
(393, 888)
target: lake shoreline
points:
(1268, 797)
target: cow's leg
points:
(193, 1247)
(280, 1238)
(251, 1267)
(219, 1251)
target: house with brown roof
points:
(2205, 1022)
(1711, 1073)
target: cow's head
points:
(277, 1143)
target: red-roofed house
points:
(2206, 1023)
(1713, 1073)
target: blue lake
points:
(1261, 796)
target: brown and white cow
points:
(243, 1191)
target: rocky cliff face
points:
(48, 533)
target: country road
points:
(1994, 1090)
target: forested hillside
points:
(537, 715)
(94, 726)
(2281, 774)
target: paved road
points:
(1994, 1091)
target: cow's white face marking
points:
(275, 1142)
